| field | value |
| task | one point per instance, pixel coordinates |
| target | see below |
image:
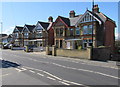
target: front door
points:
(68, 45)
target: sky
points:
(21, 13)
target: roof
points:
(102, 16)
(8, 36)
(45, 25)
(2, 35)
(65, 20)
(71, 21)
(19, 28)
(74, 20)
(30, 27)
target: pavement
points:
(110, 64)
(40, 69)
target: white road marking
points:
(64, 83)
(52, 75)
(72, 82)
(19, 70)
(61, 80)
(31, 71)
(23, 69)
(40, 74)
(51, 78)
(75, 68)
(87, 71)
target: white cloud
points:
(8, 31)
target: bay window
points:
(87, 29)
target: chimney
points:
(72, 14)
(96, 8)
(50, 19)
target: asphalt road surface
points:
(21, 68)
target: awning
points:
(73, 39)
(36, 40)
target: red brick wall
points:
(109, 34)
(50, 37)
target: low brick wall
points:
(102, 54)
(84, 54)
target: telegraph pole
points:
(92, 28)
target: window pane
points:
(77, 31)
(90, 29)
(71, 32)
(85, 30)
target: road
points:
(23, 68)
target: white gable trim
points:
(38, 24)
(16, 29)
(87, 12)
(25, 28)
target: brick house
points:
(43, 33)
(27, 34)
(64, 31)
(76, 31)
(103, 29)
(17, 35)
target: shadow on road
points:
(8, 64)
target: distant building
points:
(27, 34)
(17, 35)
(7, 39)
(43, 33)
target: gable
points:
(88, 17)
(38, 28)
(15, 30)
(59, 23)
(25, 29)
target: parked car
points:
(5, 46)
(29, 48)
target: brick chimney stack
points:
(50, 19)
(72, 14)
(96, 8)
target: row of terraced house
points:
(73, 32)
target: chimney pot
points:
(72, 14)
(50, 19)
(95, 8)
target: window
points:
(90, 42)
(57, 43)
(57, 32)
(61, 32)
(16, 35)
(26, 35)
(71, 32)
(39, 34)
(90, 29)
(77, 31)
(85, 29)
